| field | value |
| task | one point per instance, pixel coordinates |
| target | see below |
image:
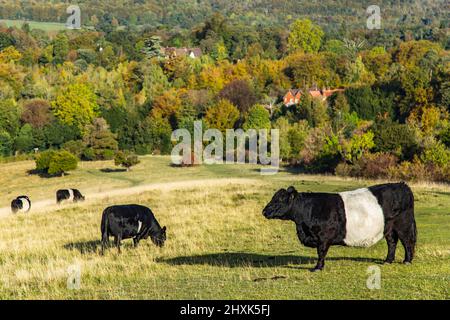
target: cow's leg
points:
(407, 235)
(136, 241)
(322, 250)
(392, 240)
(408, 242)
(118, 240)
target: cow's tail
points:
(104, 224)
(413, 230)
(414, 235)
(104, 229)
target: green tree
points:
(437, 154)
(152, 47)
(310, 70)
(62, 162)
(296, 136)
(9, 117)
(335, 46)
(222, 116)
(126, 159)
(159, 135)
(357, 146)
(312, 110)
(6, 40)
(56, 133)
(24, 141)
(75, 147)
(398, 139)
(56, 162)
(258, 118)
(100, 139)
(43, 160)
(76, 106)
(6, 143)
(305, 36)
(60, 48)
(282, 124)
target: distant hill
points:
(330, 14)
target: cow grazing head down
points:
(159, 237)
(281, 204)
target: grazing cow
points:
(130, 221)
(69, 194)
(354, 218)
(21, 204)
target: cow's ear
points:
(164, 229)
(291, 190)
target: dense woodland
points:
(111, 87)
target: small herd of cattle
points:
(23, 203)
(358, 218)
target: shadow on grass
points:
(109, 170)
(94, 246)
(85, 246)
(43, 174)
(241, 259)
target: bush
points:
(395, 138)
(328, 157)
(56, 162)
(75, 147)
(125, 159)
(88, 154)
(43, 160)
(61, 162)
(370, 165)
(444, 137)
(419, 171)
(107, 154)
(411, 171)
(436, 154)
(377, 165)
(344, 169)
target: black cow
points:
(69, 194)
(131, 221)
(354, 218)
(21, 204)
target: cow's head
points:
(159, 237)
(281, 204)
(16, 205)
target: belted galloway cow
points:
(21, 204)
(73, 195)
(354, 218)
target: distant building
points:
(180, 52)
(292, 97)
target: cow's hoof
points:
(387, 262)
(315, 269)
(407, 262)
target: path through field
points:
(48, 205)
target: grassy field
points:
(46, 26)
(219, 245)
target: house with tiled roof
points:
(178, 52)
(292, 96)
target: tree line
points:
(95, 92)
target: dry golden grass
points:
(219, 245)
